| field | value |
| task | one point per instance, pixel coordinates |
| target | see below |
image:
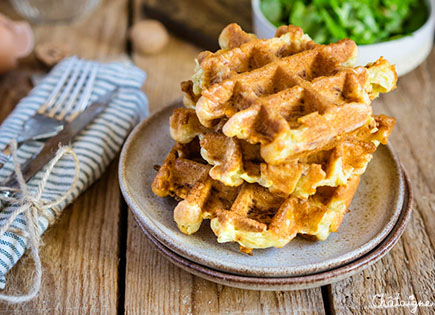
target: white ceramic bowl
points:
(406, 53)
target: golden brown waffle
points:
(259, 219)
(234, 161)
(249, 214)
(309, 114)
(242, 52)
(275, 137)
(287, 93)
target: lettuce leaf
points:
(364, 21)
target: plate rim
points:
(293, 282)
(151, 227)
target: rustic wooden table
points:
(97, 260)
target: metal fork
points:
(69, 97)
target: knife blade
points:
(70, 130)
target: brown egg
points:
(148, 36)
(8, 59)
(16, 40)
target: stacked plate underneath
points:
(378, 215)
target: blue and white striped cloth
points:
(95, 146)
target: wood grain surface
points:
(81, 257)
(198, 21)
(97, 260)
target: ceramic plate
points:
(297, 282)
(374, 212)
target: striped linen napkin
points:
(95, 147)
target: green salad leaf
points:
(364, 21)
(272, 10)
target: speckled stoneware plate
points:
(296, 282)
(374, 211)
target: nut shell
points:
(148, 36)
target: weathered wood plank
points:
(81, 253)
(80, 257)
(198, 21)
(166, 70)
(154, 285)
(409, 269)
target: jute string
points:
(33, 205)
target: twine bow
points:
(33, 205)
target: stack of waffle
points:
(274, 137)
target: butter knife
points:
(70, 130)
